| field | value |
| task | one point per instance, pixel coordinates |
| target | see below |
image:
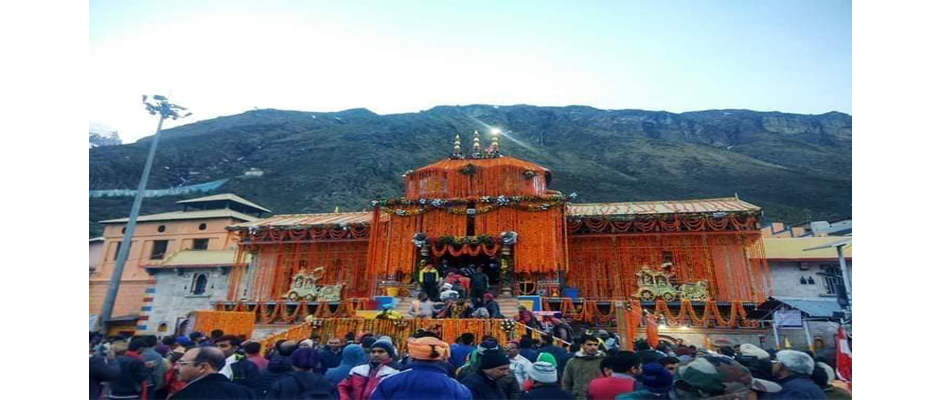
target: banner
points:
(788, 319)
(843, 356)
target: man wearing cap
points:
(657, 383)
(426, 376)
(483, 383)
(449, 293)
(716, 375)
(756, 360)
(583, 368)
(363, 379)
(793, 370)
(544, 387)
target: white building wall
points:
(173, 299)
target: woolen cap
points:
(542, 372)
(493, 359)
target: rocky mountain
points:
(96, 139)
(795, 166)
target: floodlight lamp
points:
(495, 131)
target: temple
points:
(690, 267)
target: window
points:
(202, 227)
(832, 282)
(200, 244)
(117, 250)
(810, 281)
(161, 228)
(162, 328)
(199, 284)
(159, 249)
(802, 280)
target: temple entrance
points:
(467, 264)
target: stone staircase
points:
(508, 306)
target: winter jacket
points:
(545, 391)
(100, 370)
(363, 379)
(213, 387)
(579, 372)
(799, 386)
(422, 380)
(493, 308)
(563, 331)
(329, 359)
(529, 354)
(292, 385)
(483, 387)
(158, 369)
(133, 374)
(353, 355)
(428, 275)
(245, 373)
(610, 387)
(519, 365)
(508, 384)
(278, 367)
(459, 353)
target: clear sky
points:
(226, 57)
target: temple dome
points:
(477, 177)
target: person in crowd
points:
(483, 383)
(460, 350)
(363, 379)
(619, 373)
(670, 364)
(316, 343)
(302, 382)
(448, 292)
(428, 277)
(492, 307)
(156, 367)
(353, 355)
(561, 328)
(508, 384)
(237, 367)
(253, 350)
(332, 355)
(199, 368)
(558, 353)
(468, 270)
(656, 384)
(215, 334)
(525, 349)
(166, 345)
(388, 312)
(279, 365)
(756, 360)
(479, 309)
(448, 269)
(198, 338)
(306, 343)
(583, 368)
(525, 317)
(543, 376)
(100, 369)
(793, 372)
(646, 353)
(479, 284)
(824, 377)
(423, 307)
(132, 380)
(426, 376)
(518, 364)
(717, 376)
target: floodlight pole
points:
(166, 110)
(845, 277)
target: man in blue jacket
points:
(426, 377)
(793, 372)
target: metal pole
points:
(118, 272)
(776, 336)
(809, 339)
(845, 277)
(166, 110)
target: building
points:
(199, 226)
(95, 256)
(842, 227)
(805, 289)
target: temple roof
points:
(198, 259)
(727, 204)
(792, 249)
(299, 221)
(224, 197)
(183, 215)
(458, 163)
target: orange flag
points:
(652, 330)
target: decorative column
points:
(506, 265)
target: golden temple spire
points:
(457, 145)
(476, 142)
(494, 145)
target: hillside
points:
(795, 166)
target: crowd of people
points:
(365, 366)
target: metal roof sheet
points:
(181, 215)
(199, 258)
(812, 307)
(793, 248)
(727, 204)
(224, 196)
(308, 220)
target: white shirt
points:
(519, 365)
(227, 369)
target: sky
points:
(227, 57)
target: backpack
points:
(310, 393)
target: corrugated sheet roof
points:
(196, 258)
(224, 196)
(308, 220)
(792, 248)
(815, 308)
(728, 204)
(181, 215)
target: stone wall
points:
(786, 276)
(173, 299)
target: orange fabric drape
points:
(652, 330)
(493, 177)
